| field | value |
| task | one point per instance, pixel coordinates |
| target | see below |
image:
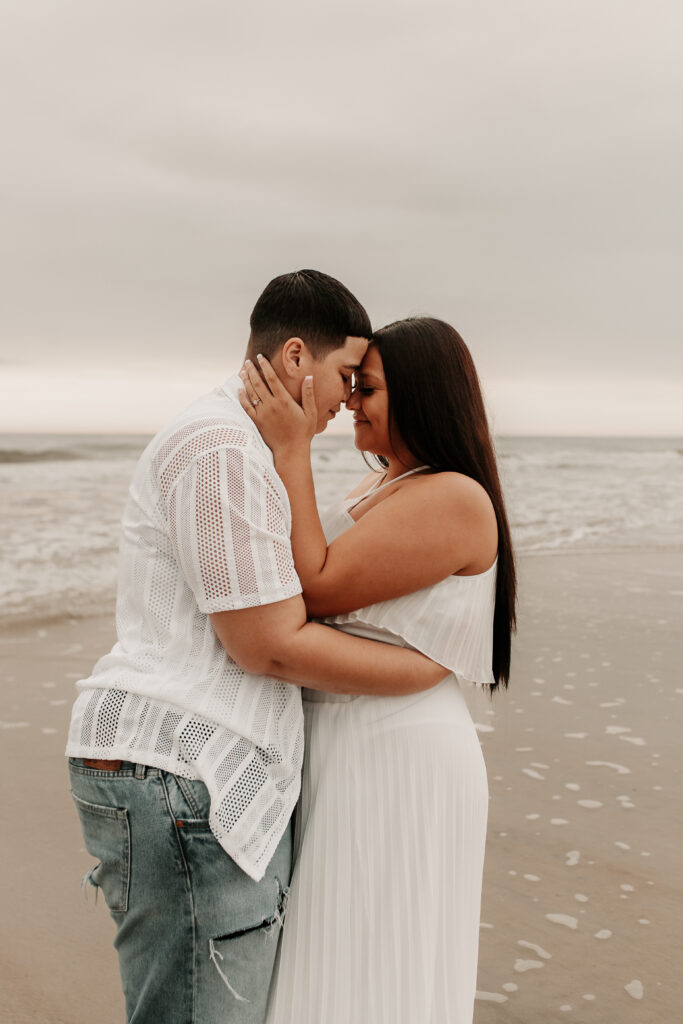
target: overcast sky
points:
(512, 166)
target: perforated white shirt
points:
(206, 529)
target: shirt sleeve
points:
(230, 525)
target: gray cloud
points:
(513, 168)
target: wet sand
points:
(582, 890)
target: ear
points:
(295, 358)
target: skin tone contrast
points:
(413, 534)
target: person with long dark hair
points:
(383, 917)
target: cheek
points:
(379, 414)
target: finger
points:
(308, 402)
(271, 378)
(249, 388)
(246, 403)
(258, 383)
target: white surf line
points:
(14, 725)
(538, 950)
(637, 741)
(635, 988)
(615, 730)
(491, 997)
(480, 727)
(533, 774)
(572, 858)
(620, 768)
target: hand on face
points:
(281, 421)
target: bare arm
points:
(426, 530)
(275, 639)
(288, 430)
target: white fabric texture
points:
(382, 925)
(206, 529)
(451, 621)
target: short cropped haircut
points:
(310, 305)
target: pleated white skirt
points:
(382, 925)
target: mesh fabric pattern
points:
(206, 529)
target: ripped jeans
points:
(196, 937)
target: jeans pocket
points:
(106, 831)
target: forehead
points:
(352, 351)
(372, 363)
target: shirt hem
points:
(235, 852)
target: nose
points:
(353, 401)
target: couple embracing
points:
(270, 657)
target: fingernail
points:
(308, 380)
(248, 362)
(259, 357)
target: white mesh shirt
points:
(206, 529)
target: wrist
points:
(294, 450)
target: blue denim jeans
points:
(196, 937)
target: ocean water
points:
(62, 496)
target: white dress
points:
(382, 925)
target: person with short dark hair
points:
(383, 920)
(186, 741)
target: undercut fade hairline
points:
(310, 305)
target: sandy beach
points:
(582, 892)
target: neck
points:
(397, 468)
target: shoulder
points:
(451, 490)
(210, 435)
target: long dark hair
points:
(436, 408)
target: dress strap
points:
(375, 489)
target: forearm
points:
(276, 640)
(309, 546)
(323, 658)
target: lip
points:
(357, 423)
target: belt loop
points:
(140, 771)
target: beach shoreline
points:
(585, 819)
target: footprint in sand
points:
(521, 966)
(564, 919)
